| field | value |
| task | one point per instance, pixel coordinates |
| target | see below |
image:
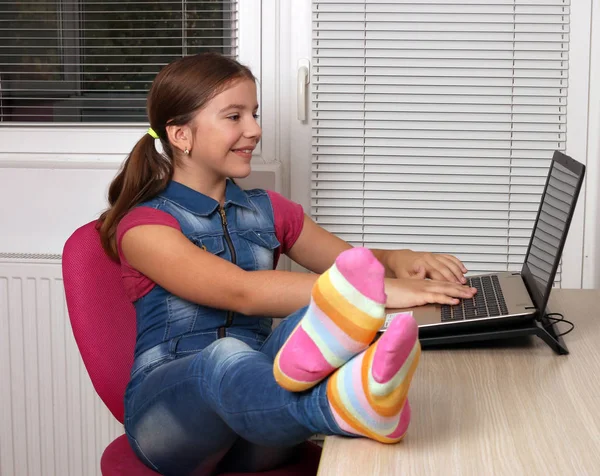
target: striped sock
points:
(345, 313)
(368, 395)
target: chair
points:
(103, 323)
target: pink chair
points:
(103, 322)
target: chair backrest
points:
(102, 317)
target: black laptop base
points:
(542, 328)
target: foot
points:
(368, 395)
(347, 309)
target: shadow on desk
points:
(519, 343)
(496, 335)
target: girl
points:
(198, 256)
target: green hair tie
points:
(152, 133)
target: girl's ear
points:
(180, 137)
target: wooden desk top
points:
(502, 410)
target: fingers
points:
(436, 298)
(445, 268)
(455, 266)
(449, 293)
(442, 274)
(451, 289)
(457, 262)
(417, 292)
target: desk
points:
(496, 410)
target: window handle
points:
(303, 79)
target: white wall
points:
(576, 265)
(43, 206)
(591, 262)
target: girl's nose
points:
(253, 130)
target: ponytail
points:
(178, 92)
(143, 175)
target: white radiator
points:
(51, 420)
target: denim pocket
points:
(261, 245)
(181, 316)
(212, 244)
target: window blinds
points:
(93, 61)
(434, 122)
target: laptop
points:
(510, 296)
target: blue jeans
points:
(221, 407)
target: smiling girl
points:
(198, 257)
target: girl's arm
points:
(168, 258)
(316, 250)
(171, 260)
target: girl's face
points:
(226, 131)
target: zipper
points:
(233, 260)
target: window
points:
(72, 91)
(434, 122)
(93, 61)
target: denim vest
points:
(242, 232)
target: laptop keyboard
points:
(488, 302)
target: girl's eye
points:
(234, 117)
(256, 116)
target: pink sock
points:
(346, 311)
(368, 395)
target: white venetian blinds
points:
(434, 122)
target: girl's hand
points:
(406, 292)
(413, 264)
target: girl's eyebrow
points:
(236, 106)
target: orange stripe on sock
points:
(337, 315)
(287, 382)
(337, 300)
(390, 404)
(364, 372)
(349, 419)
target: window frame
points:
(105, 145)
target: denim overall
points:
(202, 380)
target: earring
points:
(186, 151)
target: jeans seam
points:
(323, 417)
(148, 364)
(139, 448)
(194, 319)
(260, 349)
(167, 332)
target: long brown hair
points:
(177, 93)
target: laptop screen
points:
(550, 231)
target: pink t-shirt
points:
(289, 220)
